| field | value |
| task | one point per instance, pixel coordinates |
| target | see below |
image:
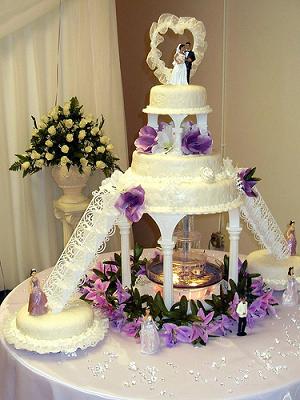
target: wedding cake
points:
(174, 173)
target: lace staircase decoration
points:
(88, 239)
(262, 224)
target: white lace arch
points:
(178, 25)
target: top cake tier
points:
(177, 99)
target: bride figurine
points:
(150, 341)
(291, 238)
(179, 72)
(37, 299)
(290, 295)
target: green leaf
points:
(194, 307)
(118, 260)
(160, 303)
(183, 305)
(138, 250)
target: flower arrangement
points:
(194, 141)
(125, 307)
(246, 181)
(66, 136)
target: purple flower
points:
(195, 143)
(104, 306)
(132, 203)
(132, 328)
(118, 318)
(232, 307)
(221, 325)
(173, 334)
(247, 181)
(142, 270)
(97, 290)
(146, 139)
(121, 293)
(200, 329)
(257, 286)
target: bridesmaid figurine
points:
(37, 304)
(290, 295)
(291, 238)
(150, 341)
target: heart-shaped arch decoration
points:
(178, 25)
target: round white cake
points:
(72, 321)
(177, 99)
(180, 184)
(272, 270)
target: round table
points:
(263, 365)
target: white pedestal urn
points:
(71, 205)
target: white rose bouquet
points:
(68, 137)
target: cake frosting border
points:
(88, 338)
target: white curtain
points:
(89, 69)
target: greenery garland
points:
(186, 321)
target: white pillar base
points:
(167, 224)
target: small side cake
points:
(72, 321)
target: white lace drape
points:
(90, 69)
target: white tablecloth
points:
(263, 365)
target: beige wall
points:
(263, 99)
(261, 82)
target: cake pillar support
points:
(153, 120)
(167, 224)
(234, 229)
(202, 123)
(177, 119)
(124, 227)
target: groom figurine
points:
(189, 59)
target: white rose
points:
(66, 108)
(100, 165)
(69, 137)
(104, 139)
(65, 149)
(81, 134)
(100, 149)
(44, 118)
(95, 130)
(52, 130)
(82, 123)
(49, 143)
(39, 163)
(89, 117)
(35, 155)
(25, 165)
(49, 156)
(68, 123)
(64, 160)
(55, 116)
(43, 125)
(35, 132)
(110, 147)
(88, 149)
(83, 162)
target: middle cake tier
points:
(183, 184)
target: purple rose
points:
(195, 143)
(132, 203)
(146, 139)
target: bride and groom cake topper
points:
(183, 60)
(189, 58)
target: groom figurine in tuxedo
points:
(189, 59)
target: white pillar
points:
(167, 224)
(234, 231)
(153, 120)
(202, 123)
(124, 227)
(177, 119)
